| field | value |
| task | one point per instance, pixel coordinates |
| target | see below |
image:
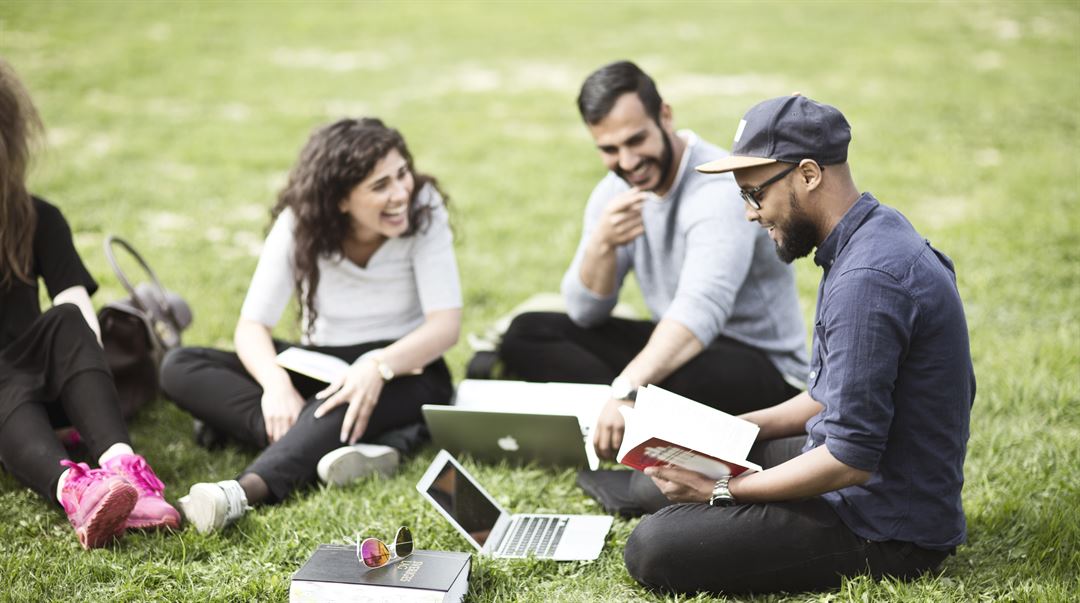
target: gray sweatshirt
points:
(701, 264)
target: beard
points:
(798, 235)
(667, 156)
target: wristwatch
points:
(622, 389)
(384, 369)
(721, 496)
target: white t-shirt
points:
(406, 278)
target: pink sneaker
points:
(151, 511)
(97, 503)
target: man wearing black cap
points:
(726, 327)
(863, 472)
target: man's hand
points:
(609, 429)
(621, 220)
(360, 389)
(281, 404)
(681, 485)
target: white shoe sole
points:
(204, 507)
(349, 463)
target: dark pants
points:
(760, 548)
(214, 386)
(85, 398)
(728, 375)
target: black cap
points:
(788, 129)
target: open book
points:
(323, 367)
(316, 365)
(667, 429)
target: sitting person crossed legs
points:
(727, 330)
(364, 241)
(863, 472)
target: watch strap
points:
(721, 494)
(623, 389)
(384, 369)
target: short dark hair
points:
(605, 85)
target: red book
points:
(665, 429)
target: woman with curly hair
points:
(364, 242)
(52, 369)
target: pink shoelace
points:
(139, 473)
(79, 472)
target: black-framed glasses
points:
(752, 195)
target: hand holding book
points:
(664, 429)
(681, 485)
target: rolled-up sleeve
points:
(719, 249)
(584, 306)
(864, 334)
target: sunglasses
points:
(373, 553)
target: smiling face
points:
(379, 206)
(636, 147)
(791, 229)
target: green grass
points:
(173, 125)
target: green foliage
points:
(174, 124)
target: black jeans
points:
(214, 386)
(728, 375)
(85, 397)
(761, 548)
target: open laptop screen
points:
(463, 501)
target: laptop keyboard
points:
(533, 535)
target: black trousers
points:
(60, 375)
(728, 375)
(214, 386)
(790, 546)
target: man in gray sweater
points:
(726, 328)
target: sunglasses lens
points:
(374, 553)
(403, 542)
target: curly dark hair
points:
(335, 159)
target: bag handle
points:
(156, 290)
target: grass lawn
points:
(174, 125)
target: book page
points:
(322, 367)
(640, 450)
(681, 420)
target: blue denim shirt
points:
(891, 363)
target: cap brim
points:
(732, 162)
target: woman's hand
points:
(359, 388)
(281, 404)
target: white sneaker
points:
(349, 463)
(212, 506)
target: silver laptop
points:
(493, 531)
(518, 437)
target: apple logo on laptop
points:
(508, 443)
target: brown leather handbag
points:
(137, 331)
